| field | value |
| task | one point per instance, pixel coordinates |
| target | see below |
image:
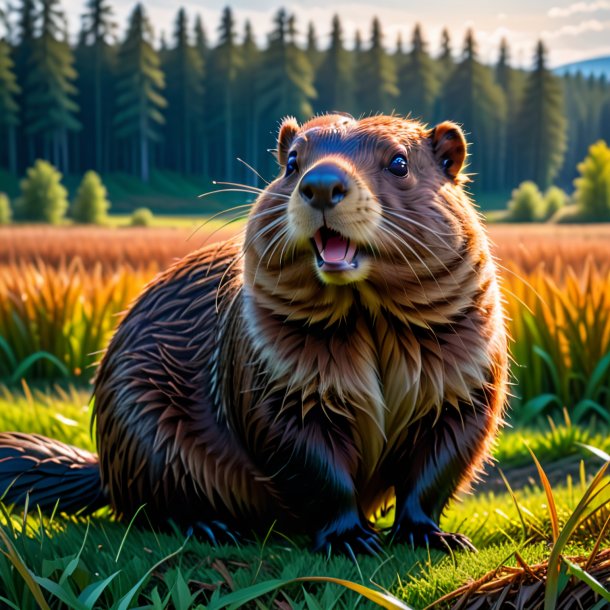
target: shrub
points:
(91, 204)
(5, 209)
(592, 193)
(43, 198)
(554, 200)
(142, 217)
(527, 203)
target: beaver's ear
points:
(288, 131)
(449, 147)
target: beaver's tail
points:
(51, 473)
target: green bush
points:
(142, 217)
(91, 204)
(555, 199)
(5, 209)
(43, 198)
(527, 203)
(592, 193)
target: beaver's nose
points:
(324, 186)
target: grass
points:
(56, 315)
(200, 573)
(166, 193)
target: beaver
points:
(351, 346)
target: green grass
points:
(166, 193)
(74, 556)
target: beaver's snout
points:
(324, 186)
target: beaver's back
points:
(161, 434)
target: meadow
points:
(62, 291)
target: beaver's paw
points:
(429, 535)
(350, 541)
(216, 532)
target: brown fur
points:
(249, 386)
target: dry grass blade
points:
(523, 589)
(552, 583)
(548, 490)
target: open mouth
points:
(333, 251)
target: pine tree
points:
(357, 43)
(91, 204)
(471, 98)
(376, 89)
(286, 82)
(50, 108)
(139, 99)
(445, 66)
(201, 39)
(94, 62)
(24, 48)
(184, 92)
(334, 80)
(418, 81)
(508, 152)
(311, 50)
(445, 59)
(247, 117)
(43, 197)
(541, 124)
(200, 154)
(222, 101)
(605, 120)
(576, 108)
(400, 57)
(9, 110)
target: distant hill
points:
(596, 66)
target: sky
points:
(572, 30)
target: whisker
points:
(388, 231)
(218, 214)
(248, 188)
(274, 242)
(217, 191)
(416, 223)
(263, 230)
(256, 216)
(253, 170)
(420, 243)
(246, 245)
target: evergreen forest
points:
(134, 103)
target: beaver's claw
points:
(356, 540)
(425, 535)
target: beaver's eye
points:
(398, 166)
(291, 164)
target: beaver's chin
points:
(338, 259)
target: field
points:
(62, 292)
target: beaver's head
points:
(368, 210)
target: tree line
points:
(130, 105)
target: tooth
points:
(351, 251)
(319, 243)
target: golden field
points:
(62, 291)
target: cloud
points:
(592, 25)
(579, 7)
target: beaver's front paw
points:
(348, 541)
(429, 535)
